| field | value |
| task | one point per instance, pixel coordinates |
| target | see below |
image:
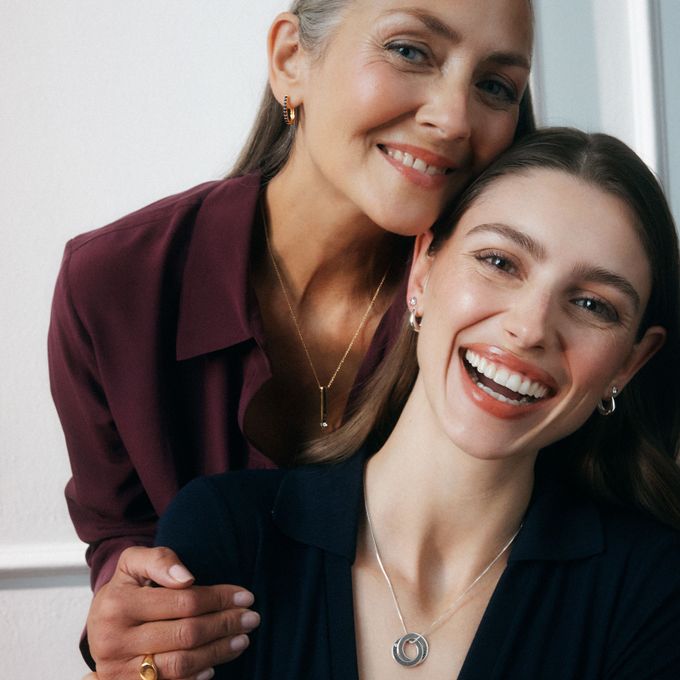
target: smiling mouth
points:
(502, 384)
(410, 161)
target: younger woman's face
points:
(530, 313)
(410, 99)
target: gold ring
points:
(148, 670)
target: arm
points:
(111, 512)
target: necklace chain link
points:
(421, 638)
(322, 388)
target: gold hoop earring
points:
(606, 409)
(413, 320)
(289, 113)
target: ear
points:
(642, 351)
(420, 270)
(286, 58)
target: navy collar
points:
(320, 505)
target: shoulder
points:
(640, 576)
(642, 547)
(628, 530)
(140, 259)
(216, 524)
(238, 493)
(160, 231)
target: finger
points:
(196, 632)
(188, 664)
(139, 566)
(163, 604)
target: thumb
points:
(144, 566)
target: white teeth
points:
(490, 371)
(411, 161)
(513, 382)
(502, 376)
(419, 165)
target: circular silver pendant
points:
(412, 640)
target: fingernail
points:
(206, 675)
(239, 643)
(179, 573)
(243, 598)
(250, 620)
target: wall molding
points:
(42, 559)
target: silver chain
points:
(449, 611)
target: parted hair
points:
(631, 457)
(270, 142)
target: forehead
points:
(501, 22)
(575, 221)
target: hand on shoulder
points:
(188, 629)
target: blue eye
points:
(407, 52)
(598, 307)
(498, 90)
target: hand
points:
(188, 629)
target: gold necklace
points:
(419, 640)
(323, 390)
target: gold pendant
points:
(324, 408)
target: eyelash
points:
(398, 47)
(503, 92)
(507, 94)
(487, 256)
(607, 313)
(495, 260)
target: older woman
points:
(506, 502)
(223, 327)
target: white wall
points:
(105, 106)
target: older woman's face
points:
(411, 99)
(530, 313)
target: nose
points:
(447, 108)
(529, 324)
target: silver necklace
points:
(419, 640)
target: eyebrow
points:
(582, 272)
(600, 275)
(534, 248)
(442, 29)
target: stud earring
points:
(413, 320)
(607, 406)
(289, 113)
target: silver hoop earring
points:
(413, 320)
(608, 406)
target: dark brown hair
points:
(631, 456)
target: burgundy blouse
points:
(156, 348)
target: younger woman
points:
(505, 503)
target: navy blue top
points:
(589, 591)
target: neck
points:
(322, 244)
(453, 508)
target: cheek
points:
(595, 362)
(493, 134)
